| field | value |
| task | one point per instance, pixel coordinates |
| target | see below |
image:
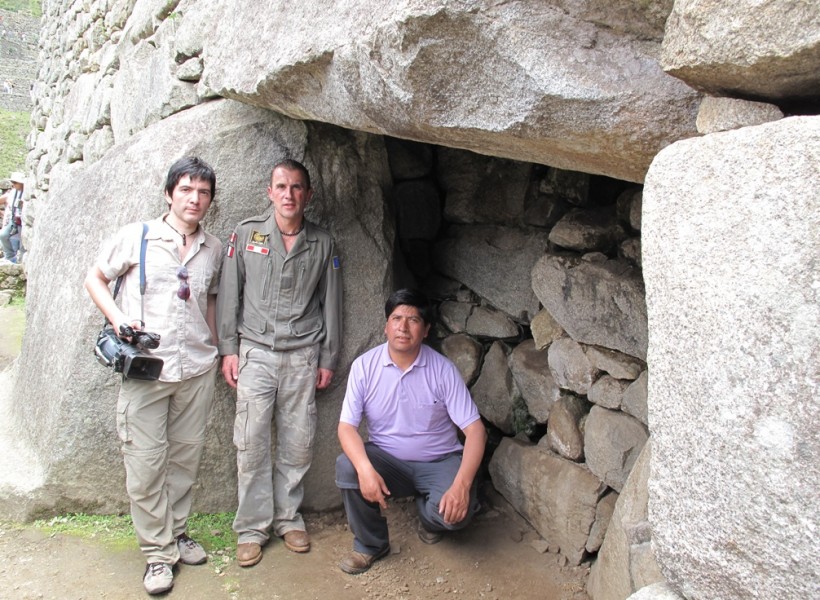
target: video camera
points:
(128, 358)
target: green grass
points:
(18, 300)
(32, 7)
(14, 128)
(213, 531)
(114, 530)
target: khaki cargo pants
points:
(162, 429)
(272, 386)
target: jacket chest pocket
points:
(259, 267)
(294, 283)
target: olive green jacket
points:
(282, 300)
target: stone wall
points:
(18, 59)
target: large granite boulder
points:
(574, 85)
(746, 48)
(731, 232)
(67, 417)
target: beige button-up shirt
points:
(186, 345)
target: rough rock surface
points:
(465, 353)
(557, 496)
(544, 329)
(635, 398)
(596, 303)
(454, 314)
(625, 561)
(570, 366)
(755, 49)
(587, 230)
(495, 392)
(608, 392)
(69, 415)
(612, 442)
(731, 231)
(620, 366)
(488, 322)
(530, 369)
(603, 515)
(565, 433)
(483, 189)
(494, 262)
(723, 114)
(656, 591)
(571, 82)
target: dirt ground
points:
(494, 559)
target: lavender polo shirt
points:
(412, 415)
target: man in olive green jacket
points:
(279, 319)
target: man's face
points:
(190, 199)
(405, 330)
(289, 193)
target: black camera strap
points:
(143, 246)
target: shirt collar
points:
(421, 359)
(158, 230)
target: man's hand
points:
(230, 369)
(454, 504)
(323, 378)
(373, 487)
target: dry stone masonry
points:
(614, 205)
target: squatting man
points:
(161, 423)
(414, 401)
(279, 315)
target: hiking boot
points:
(358, 562)
(297, 540)
(190, 552)
(429, 537)
(248, 553)
(158, 578)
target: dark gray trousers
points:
(427, 481)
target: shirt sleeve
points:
(213, 289)
(331, 288)
(460, 405)
(120, 252)
(229, 299)
(353, 405)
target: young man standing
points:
(414, 402)
(161, 423)
(280, 319)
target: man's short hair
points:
(292, 165)
(410, 297)
(195, 168)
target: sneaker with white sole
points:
(190, 552)
(158, 578)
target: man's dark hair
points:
(292, 165)
(195, 168)
(410, 297)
